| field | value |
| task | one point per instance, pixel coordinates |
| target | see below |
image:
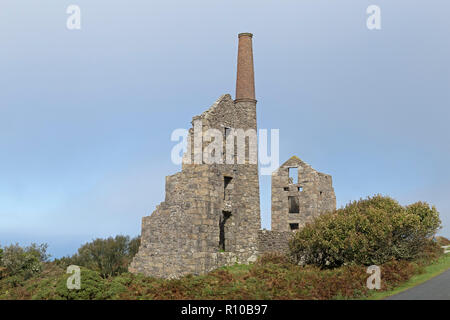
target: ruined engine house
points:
(211, 213)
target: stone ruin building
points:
(299, 194)
(211, 213)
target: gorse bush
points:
(366, 232)
(93, 287)
(109, 257)
(22, 262)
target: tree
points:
(23, 262)
(109, 257)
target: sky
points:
(86, 115)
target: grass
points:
(429, 272)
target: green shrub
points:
(109, 257)
(93, 287)
(22, 262)
(371, 231)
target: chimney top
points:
(245, 34)
(245, 79)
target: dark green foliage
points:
(92, 287)
(366, 232)
(21, 263)
(109, 257)
(133, 247)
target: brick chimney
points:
(245, 82)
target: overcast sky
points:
(86, 115)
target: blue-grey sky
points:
(86, 115)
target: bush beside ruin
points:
(367, 232)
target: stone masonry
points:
(211, 213)
(295, 203)
(273, 241)
(210, 216)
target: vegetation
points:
(271, 277)
(367, 232)
(435, 268)
(110, 257)
(18, 263)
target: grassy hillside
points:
(272, 277)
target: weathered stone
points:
(273, 241)
(313, 194)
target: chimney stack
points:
(245, 82)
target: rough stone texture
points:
(273, 241)
(182, 236)
(317, 195)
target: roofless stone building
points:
(211, 213)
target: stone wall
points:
(197, 228)
(313, 194)
(273, 241)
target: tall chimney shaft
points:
(245, 82)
